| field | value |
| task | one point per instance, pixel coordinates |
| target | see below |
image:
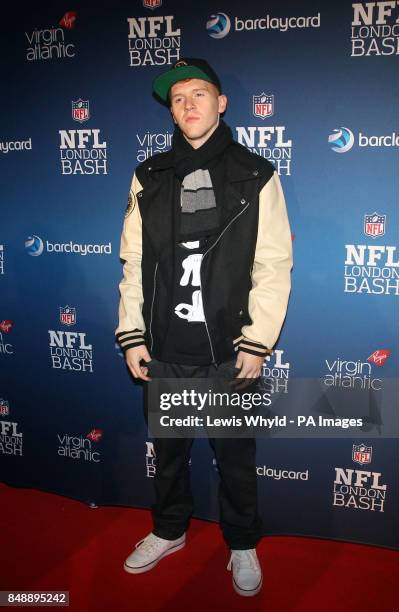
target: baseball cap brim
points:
(164, 82)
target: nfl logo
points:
(361, 454)
(4, 407)
(68, 315)
(374, 225)
(80, 110)
(263, 106)
(152, 4)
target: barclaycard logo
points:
(218, 26)
(34, 245)
(341, 140)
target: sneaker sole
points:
(246, 593)
(149, 566)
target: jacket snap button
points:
(243, 201)
(149, 167)
(139, 194)
(255, 173)
(241, 312)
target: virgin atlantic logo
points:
(95, 435)
(68, 20)
(379, 357)
(6, 326)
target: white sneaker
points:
(247, 573)
(149, 551)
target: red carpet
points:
(53, 543)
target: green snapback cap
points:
(186, 68)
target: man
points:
(207, 250)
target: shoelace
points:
(243, 559)
(148, 543)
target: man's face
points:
(195, 108)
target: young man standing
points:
(207, 250)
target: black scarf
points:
(187, 159)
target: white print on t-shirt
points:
(191, 266)
(194, 312)
(193, 244)
(191, 275)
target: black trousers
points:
(236, 459)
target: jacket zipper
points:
(202, 259)
(152, 305)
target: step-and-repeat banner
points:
(313, 88)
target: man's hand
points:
(250, 366)
(133, 357)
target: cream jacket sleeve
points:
(131, 326)
(271, 279)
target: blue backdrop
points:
(311, 87)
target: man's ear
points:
(222, 103)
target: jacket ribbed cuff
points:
(130, 339)
(249, 346)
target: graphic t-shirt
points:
(187, 340)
